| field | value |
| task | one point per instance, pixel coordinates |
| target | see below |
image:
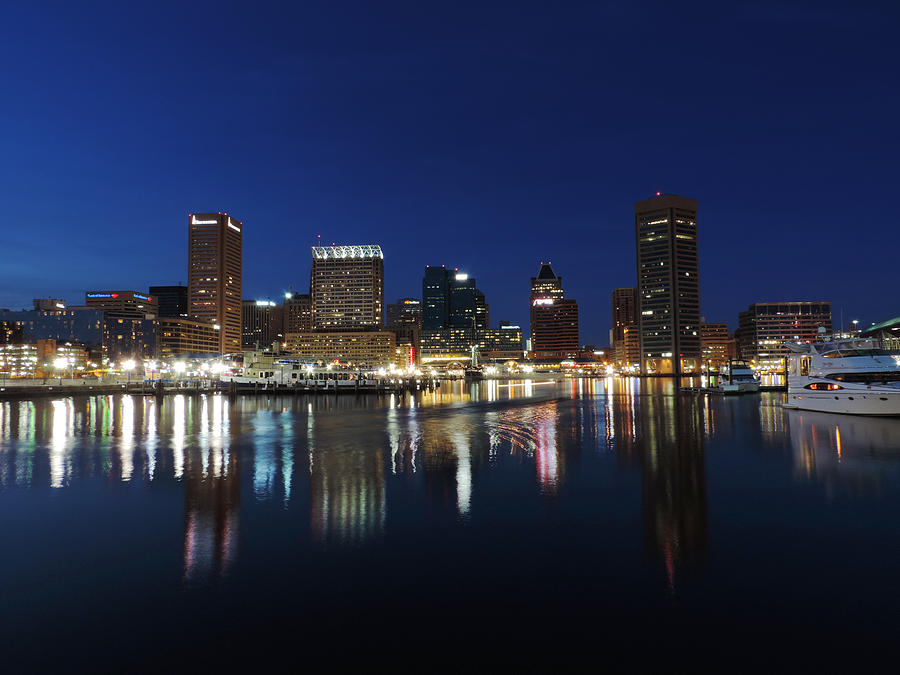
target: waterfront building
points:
(171, 301)
(624, 315)
(631, 352)
(404, 320)
(122, 303)
(72, 324)
(500, 344)
(262, 323)
(668, 290)
(18, 360)
(357, 348)
(297, 313)
(51, 353)
(347, 287)
(179, 337)
(886, 332)
(455, 315)
(717, 345)
(765, 326)
(215, 250)
(554, 319)
(128, 338)
(447, 344)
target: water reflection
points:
(845, 452)
(341, 460)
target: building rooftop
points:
(362, 251)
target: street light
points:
(60, 363)
(128, 366)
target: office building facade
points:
(297, 313)
(122, 303)
(171, 301)
(765, 326)
(179, 337)
(668, 289)
(347, 288)
(554, 319)
(717, 345)
(364, 349)
(215, 253)
(624, 316)
(262, 323)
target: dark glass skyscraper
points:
(668, 280)
(172, 300)
(435, 297)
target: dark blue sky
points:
(488, 136)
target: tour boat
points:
(843, 376)
(736, 377)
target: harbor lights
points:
(128, 366)
(60, 363)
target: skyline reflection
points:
(341, 460)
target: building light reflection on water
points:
(205, 441)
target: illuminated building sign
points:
(542, 301)
(103, 295)
(141, 296)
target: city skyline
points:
(488, 155)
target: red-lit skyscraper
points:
(554, 320)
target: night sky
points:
(487, 136)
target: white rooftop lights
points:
(329, 252)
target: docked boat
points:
(853, 377)
(736, 377)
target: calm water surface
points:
(491, 524)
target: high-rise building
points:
(347, 287)
(668, 290)
(455, 316)
(171, 300)
(122, 303)
(623, 316)
(214, 275)
(404, 320)
(297, 313)
(766, 326)
(554, 319)
(262, 323)
(435, 297)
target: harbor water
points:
(615, 522)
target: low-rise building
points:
(178, 337)
(358, 348)
(716, 345)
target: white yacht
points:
(843, 376)
(736, 377)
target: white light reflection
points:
(463, 473)
(150, 434)
(178, 433)
(126, 438)
(58, 443)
